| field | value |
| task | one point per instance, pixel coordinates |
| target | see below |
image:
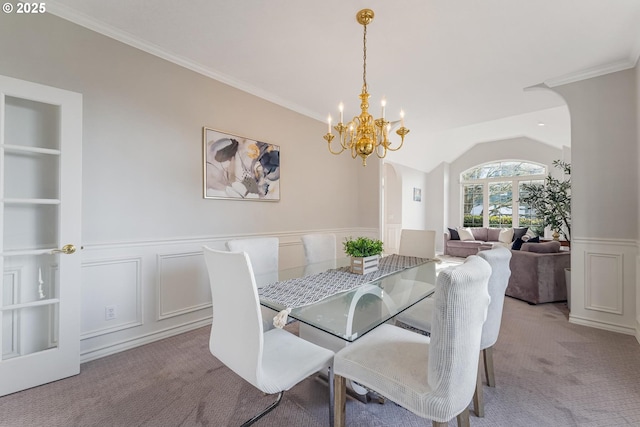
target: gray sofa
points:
(538, 277)
(485, 237)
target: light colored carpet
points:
(548, 373)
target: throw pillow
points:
(465, 234)
(519, 232)
(530, 234)
(453, 234)
(517, 244)
(506, 235)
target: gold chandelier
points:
(364, 135)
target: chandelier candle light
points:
(364, 135)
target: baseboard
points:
(602, 325)
(117, 347)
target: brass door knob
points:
(66, 249)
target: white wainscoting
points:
(160, 288)
(603, 283)
(183, 285)
(115, 282)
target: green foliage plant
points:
(362, 247)
(552, 201)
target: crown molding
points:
(592, 72)
(107, 30)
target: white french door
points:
(40, 212)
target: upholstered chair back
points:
(236, 331)
(319, 247)
(263, 253)
(460, 309)
(418, 243)
(499, 259)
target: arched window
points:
(488, 194)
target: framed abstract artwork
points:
(239, 168)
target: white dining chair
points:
(420, 315)
(263, 253)
(272, 361)
(319, 247)
(418, 243)
(432, 377)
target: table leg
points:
(340, 402)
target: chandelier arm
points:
(397, 148)
(336, 152)
(384, 153)
(402, 132)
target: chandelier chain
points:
(364, 59)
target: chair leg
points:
(265, 412)
(488, 366)
(437, 424)
(478, 396)
(463, 418)
(340, 400)
(331, 397)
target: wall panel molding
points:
(183, 286)
(601, 241)
(284, 236)
(599, 268)
(604, 274)
(107, 280)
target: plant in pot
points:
(552, 201)
(364, 253)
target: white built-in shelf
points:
(31, 201)
(26, 149)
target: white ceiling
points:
(458, 68)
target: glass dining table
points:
(340, 318)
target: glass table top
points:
(350, 314)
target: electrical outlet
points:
(110, 312)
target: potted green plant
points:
(552, 201)
(364, 253)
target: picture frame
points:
(417, 194)
(239, 168)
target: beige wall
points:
(142, 159)
(604, 155)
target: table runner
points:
(294, 293)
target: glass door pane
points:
(31, 124)
(473, 205)
(500, 204)
(29, 330)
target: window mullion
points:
(485, 204)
